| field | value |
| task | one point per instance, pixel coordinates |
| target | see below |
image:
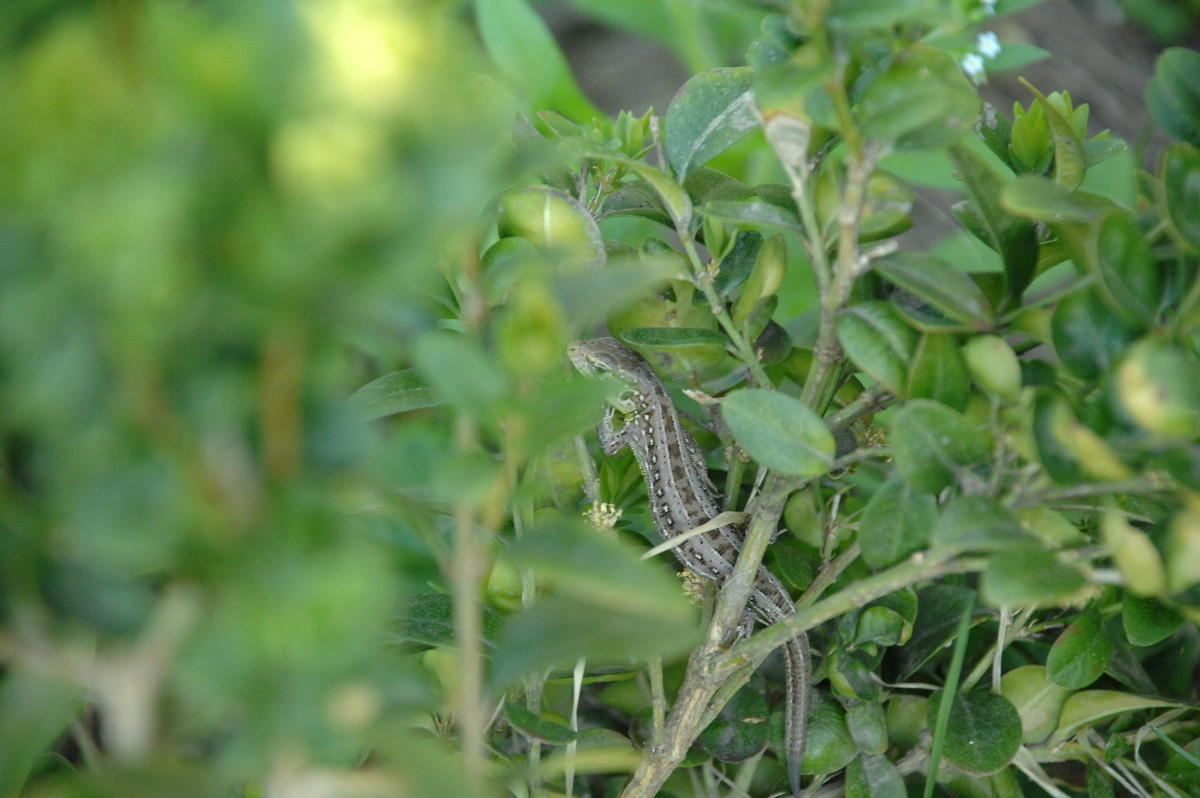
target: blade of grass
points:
(948, 694)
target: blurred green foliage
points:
(290, 475)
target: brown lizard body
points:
(683, 497)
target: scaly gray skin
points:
(683, 497)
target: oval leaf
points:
(1148, 621)
(1015, 238)
(713, 110)
(1080, 654)
(1127, 269)
(896, 522)
(673, 337)
(939, 282)
(1037, 699)
(922, 101)
(461, 373)
(984, 732)
(830, 746)
(523, 47)
(939, 371)
(979, 523)
(933, 444)
(739, 731)
(1181, 189)
(393, 393)
(1172, 95)
(779, 431)
(1089, 707)
(537, 728)
(1027, 578)
(875, 336)
(874, 777)
(1087, 335)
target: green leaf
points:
(887, 210)
(874, 776)
(461, 373)
(712, 111)
(881, 625)
(35, 710)
(588, 296)
(1172, 95)
(1080, 654)
(1099, 150)
(553, 219)
(558, 630)
(943, 285)
(939, 372)
(1147, 620)
(1088, 336)
(1037, 699)
(984, 732)
(830, 746)
(896, 522)
(537, 728)
(593, 568)
(933, 444)
(752, 211)
(1180, 169)
(1016, 55)
(673, 337)
(704, 184)
(875, 336)
(557, 412)
(860, 16)
(738, 262)
(428, 620)
(994, 366)
(1158, 387)
(868, 725)
(740, 730)
(1098, 785)
(1013, 237)
(520, 43)
(1029, 577)
(923, 100)
(852, 674)
(1089, 707)
(796, 89)
(779, 431)
(1127, 271)
(392, 393)
(1052, 415)
(979, 523)
(1043, 200)
(1070, 163)
(939, 612)
(674, 197)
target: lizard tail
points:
(799, 698)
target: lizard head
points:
(599, 356)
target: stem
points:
(918, 568)
(701, 279)
(696, 701)
(868, 402)
(466, 570)
(827, 355)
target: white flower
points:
(972, 64)
(989, 6)
(987, 44)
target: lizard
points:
(682, 497)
